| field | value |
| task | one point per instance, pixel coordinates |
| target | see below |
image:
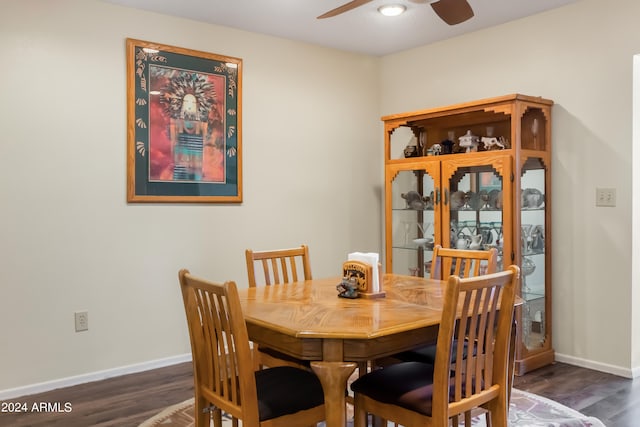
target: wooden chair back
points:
(478, 311)
(222, 362)
(224, 376)
(278, 266)
(463, 263)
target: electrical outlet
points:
(606, 197)
(82, 321)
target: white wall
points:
(312, 174)
(580, 56)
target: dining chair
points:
(477, 310)
(459, 262)
(277, 266)
(224, 375)
(462, 262)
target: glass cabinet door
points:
(476, 207)
(452, 204)
(532, 252)
(414, 221)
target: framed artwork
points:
(184, 134)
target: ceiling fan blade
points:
(344, 8)
(453, 11)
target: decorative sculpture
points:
(415, 200)
(469, 141)
(493, 143)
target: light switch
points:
(606, 197)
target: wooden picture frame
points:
(184, 133)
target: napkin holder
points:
(362, 274)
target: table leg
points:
(334, 376)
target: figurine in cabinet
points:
(469, 141)
(493, 143)
(463, 241)
(415, 200)
(476, 242)
(532, 198)
(537, 238)
(447, 146)
(412, 149)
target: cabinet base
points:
(534, 361)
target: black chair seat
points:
(302, 388)
(427, 354)
(408, 384)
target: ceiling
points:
(362, 30)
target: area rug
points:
(527, 410)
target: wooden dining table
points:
(307, 320)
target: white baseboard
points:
(597, 366)
(92, 376)
(174, 360)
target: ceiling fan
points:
(450, 11)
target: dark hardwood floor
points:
(612, 399)
(129, 400)
(116, 402)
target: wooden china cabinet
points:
(438, 191)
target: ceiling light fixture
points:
(392, 9)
